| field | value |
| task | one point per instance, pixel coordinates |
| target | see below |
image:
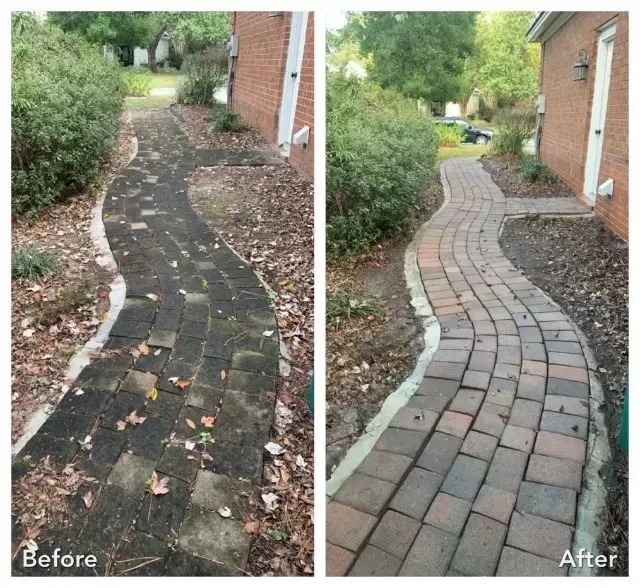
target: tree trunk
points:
(151, 51)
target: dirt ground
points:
(196, 121)
(266, 215)
(584, 267)
(369, 355)
(52, 317)
(505, 171)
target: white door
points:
(599, 112)
(292, 77)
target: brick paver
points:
(187, 296)
(494, 474)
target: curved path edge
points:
(117, 294)
(370, 519)
(403, 393)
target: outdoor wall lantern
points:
(274, 14)
(580, 67)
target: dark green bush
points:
(513, 127)
(136, 82)
(226, 121)
(381, 152)
(449, 135)
(532, 171)
(27, 263)
(65, 107)
(204, 73)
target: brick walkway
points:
(210, 317)
(480, 473)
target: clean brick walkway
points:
(480, 473)
(203, 314)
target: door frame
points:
(606, 39)
(294, 63)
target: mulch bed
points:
(505, 171)
(196, 121)
(51, 317)
(266, 215)
(584, 267)
(369, 356)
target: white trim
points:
(284, 141)
(598, 111)
(549, 26)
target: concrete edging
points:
(403, 393)
(117, 295)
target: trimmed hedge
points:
(381, 152)
(65, 107)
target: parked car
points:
(477, 135)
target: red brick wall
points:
(259, 68)
(565, 129)
(259, 76)
(303, 159)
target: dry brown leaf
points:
(255, 527)
(190, 423)
(182, 383)
(223, 375)
(144, 349)
(158, 487)
(208, 421)
(121, 425)
(134, 419)
(88, 499)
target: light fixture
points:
(274, 13)
(580, 67)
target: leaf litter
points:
(267, 212)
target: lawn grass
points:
(461, 151)
(148, 102)
(166, 79)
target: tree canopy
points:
(420, 54)
(503, 65)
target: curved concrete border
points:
(117, 295)
(403, 393)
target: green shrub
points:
(513, 127)
(449, 135)
(28, 263)
(381, 152)
(226, 121)
(65, 108)
(136, 82)
(205, 72)
(532, 171)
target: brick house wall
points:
(259, 78)
(566, 122)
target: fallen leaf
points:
(158, 487)
(183, 292)
(182, 383)
(144, 348)
(157, 352)
(254, 527)
(88, 499)
(274, 448)
(28, 333)
(79, 392)
(223, 375)
(267, 333)
(208, 421)
(189, 445)
(224, 511)
(152, 394)
(190, 423)
(120, 425)
(134, 419)
(153, 297)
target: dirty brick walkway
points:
(480, 473)
(208, 321)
